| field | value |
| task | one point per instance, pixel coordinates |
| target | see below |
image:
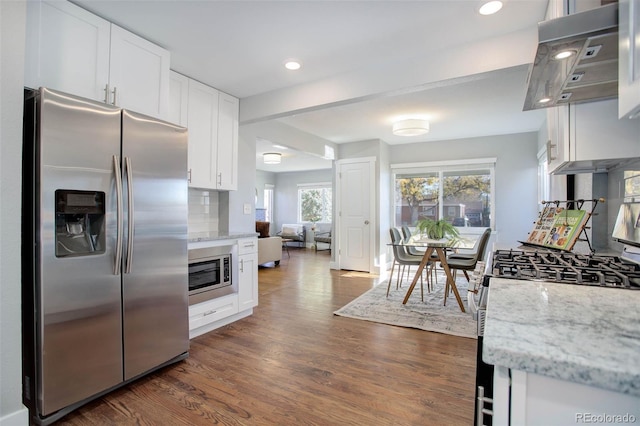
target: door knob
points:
(366, 222)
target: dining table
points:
(440, 247)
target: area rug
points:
(430, 315)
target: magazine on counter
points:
(557, 228)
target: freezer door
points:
(78, 302)
(155, 265)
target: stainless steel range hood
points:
(590, 73)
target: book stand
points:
(561, 223)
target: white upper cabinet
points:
(227, 164)
(212, 120)
(178, 98)
(558, 136)
(203, 133)
(629, 59)
(72, 50)
(138, 74)
(67, 48)
(589, 137)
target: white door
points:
(356, 213)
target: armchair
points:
(322, 237)
(294, 232)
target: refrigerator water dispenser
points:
(79, 223)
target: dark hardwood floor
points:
(295, 363)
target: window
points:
(315, 203)
(268, 202)
(460, 193)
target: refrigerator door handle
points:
(116, 264)
(131, 225)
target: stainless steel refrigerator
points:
(105, 276)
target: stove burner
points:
(571, 268)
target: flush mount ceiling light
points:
(271, 157)
(410, 127)
(490, 7)
(292, 64)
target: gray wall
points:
(515, 176)
(232, 202)
(12, 32)
(286, 194)
(262, 179)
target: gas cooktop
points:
(570, 268)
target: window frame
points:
(315, 185)
(268, 201)
(442, 168)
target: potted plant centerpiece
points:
(438, 229)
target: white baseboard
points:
(17, 418)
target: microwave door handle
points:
(116, 263)
(131, 225)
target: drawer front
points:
(247, 245)
(213, 310)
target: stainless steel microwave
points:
(209, 270)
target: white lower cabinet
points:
(532, 399)
(242, 296)
(206, 313)
(248, 273)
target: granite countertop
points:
(214, 236)
(582, 334)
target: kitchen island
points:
(562, 351)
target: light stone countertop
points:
(198, 240)
(214, 236)
(582, 334)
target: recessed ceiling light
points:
(280, 147)
(292, 65)
(490, 7)
(564, 54)
(544, 100)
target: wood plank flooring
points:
(295, 363)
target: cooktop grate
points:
(570, 268)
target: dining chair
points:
(402, 258)
(467, 261)
(406, 232)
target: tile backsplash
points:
(203, 210)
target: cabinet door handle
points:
(106, 93)
(115, 94)
(550, 157)
(241, 265)
(209, 313)
(481, 411)
(189, 178)
(220, 179)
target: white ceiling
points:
(364, 63)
